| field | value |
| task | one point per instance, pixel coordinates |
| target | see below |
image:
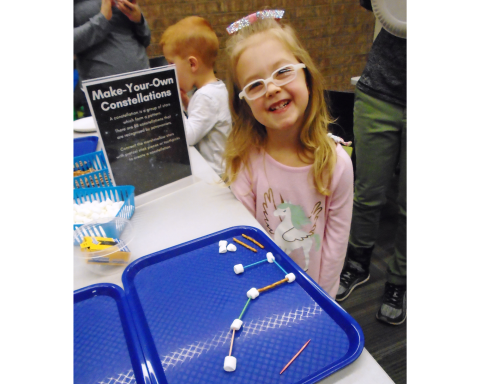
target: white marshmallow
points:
(231, 247)
(93, 210)
(238, 268)
(270, 257)
(230, 364)
(237, 324)
(222, 243)
(253, 293)
(290, 277)
(223, 249)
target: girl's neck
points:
(285, 149)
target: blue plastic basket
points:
(84, 145)
(99, 178)
(125, 193)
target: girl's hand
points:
(130, 9)
(106, 9)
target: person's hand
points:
(130, 9)
(106, 9)
(185, 98)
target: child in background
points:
(280, 162)
(192, 45)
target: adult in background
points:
(380, 132)
(109, 38)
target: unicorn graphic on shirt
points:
(289, 234)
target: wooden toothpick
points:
(245, 245)
(294, 357)
(253, 241)
(231, 344)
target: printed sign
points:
(140, 122)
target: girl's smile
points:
(282, 107)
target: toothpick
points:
(231, 343)
(294, 357)
(253, 241)
(245, 245)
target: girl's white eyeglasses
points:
(281, 76)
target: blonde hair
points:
(247, 133)
(192, 35)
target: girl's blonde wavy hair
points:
(247, 133)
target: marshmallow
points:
(237, 324)
(230, 364)
(93, 210)
(222, 243)
(223, 249)
(270, 257)
(231, 247)
(290, 277)
(253, 293)
(238, 268)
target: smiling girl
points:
(280, 162)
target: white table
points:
(200, 209)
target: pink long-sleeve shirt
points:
(311, 228)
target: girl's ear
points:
(193, 61)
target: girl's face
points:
(282, 107)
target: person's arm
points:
(202, 115)
(337, 225)
(142, 32)
(134, 14)
(93, 31)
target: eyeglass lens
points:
(280, 77)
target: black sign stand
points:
(139, 118)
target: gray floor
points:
(386, 343)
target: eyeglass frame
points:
(265, 82)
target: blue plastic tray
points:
(125, 193)
(184, 299)
(84, 145)
(106, 347)
(99, 178)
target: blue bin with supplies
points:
(125, 193)
(91, 170)
(84, 145)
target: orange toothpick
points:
(253, 241)
(245, 245)
(231, 343)
(294, 357)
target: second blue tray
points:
(106, 347)
(184, 299)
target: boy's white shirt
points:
(209, 123)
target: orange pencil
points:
(294, 357)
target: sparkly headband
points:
(250, 19)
